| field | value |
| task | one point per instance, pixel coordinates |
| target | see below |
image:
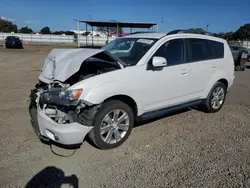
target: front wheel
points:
(112, 125)
(215, 98)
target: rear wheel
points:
(112, 125)
(215, 99)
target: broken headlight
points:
(70, 94)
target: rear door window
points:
(199, 50)
(202, 49)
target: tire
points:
(242, 68)
(208, 106)
(110, 139)
(248, 59)
(237, 68)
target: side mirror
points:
(159, 61)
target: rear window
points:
(218, 49)
(202, 49)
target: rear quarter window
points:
(203, 49)
(218, 49)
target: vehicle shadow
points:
(52, 177)
(138, 122)
(141, 122)
(14, 48)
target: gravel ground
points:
(188, 149)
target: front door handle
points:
(185, 71)
(214, 66)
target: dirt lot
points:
(188, 149)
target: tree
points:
(45, 30)
(63, 32)
(109, 30)
(242, 33)
(25, 30)
(196, 30)
(7, 26)
(227, 35)
(86, 33)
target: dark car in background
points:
(238, 49)
(13, 42)
(241, 55)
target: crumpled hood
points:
(60, 64)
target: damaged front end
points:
(57, 112)
(64, 106)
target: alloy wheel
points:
(218, 98)
(114, 126)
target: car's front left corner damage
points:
(61, 120)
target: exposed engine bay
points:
(61, 105)
(91, 67)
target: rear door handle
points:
(214, 66)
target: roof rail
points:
(141, 32)
(187, 31)
(176, 31)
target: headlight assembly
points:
(70, 94)
(61, 97)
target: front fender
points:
(110, 89)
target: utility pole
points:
(162, 24)
(78, 33)
(207, 27)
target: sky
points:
(221, 15)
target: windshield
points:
(129, 50)
(13, 38)
(245, 48)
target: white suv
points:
(100, 93)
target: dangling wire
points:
(60, 154)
